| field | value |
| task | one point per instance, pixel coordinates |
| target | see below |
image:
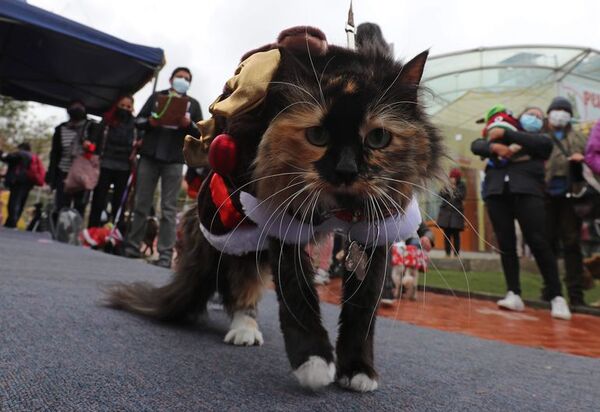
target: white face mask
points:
(180, 85)
(559, 118)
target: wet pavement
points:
(480, 318)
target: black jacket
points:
(18, 162)
(114, 145)
(451, 209)
(525, 175)
(164, 144)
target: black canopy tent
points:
(49, 59)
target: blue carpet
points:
(61, 350)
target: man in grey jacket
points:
(162, 158)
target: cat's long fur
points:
(347, 94)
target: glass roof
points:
(505, 69)
(462, 86)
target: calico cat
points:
(334, 138)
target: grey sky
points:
(209, 36)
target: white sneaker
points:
(560, 309)
(512, 302)
(321, 277)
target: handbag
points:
(84, 172)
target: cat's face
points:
(347, 131)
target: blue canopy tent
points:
(49, 59)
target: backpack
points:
(36, 173)
(68, 226)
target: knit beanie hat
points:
(560, 103)
(499, 116)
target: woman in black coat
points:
(514, 189)
(451, 216)
(114, 145)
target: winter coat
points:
(592, 151)
(114, 145)
(18, 162)
(525, 176)
(452, 209)
(558, 163)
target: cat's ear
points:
(413, 70)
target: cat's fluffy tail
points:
(185, 296)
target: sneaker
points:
(321, 277)
(512, 302)
(560, 309)
(387, 302)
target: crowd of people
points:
(120, 148)
(534, 175)
(533, 165)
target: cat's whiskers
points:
(300, 88)
(459, 259)
(312, 65)
(231, 233)
(401, 212)
(421, 187)
(313, 196)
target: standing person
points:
(162, 158)
(70, 139)
(114, 144)
(563, 224)
(17, 181)
(514, 189)
(592, 150)
(451, 215)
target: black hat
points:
(561, 103)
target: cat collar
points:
(271, 221)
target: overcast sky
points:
(209, 36)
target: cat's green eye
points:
(317, 136)
(378, 138)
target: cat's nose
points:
(346, 167)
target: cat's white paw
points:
(359, 382)
(315, 373)
(243, 331)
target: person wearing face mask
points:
(114, 144)
(161, 158)
(70, 139)
(515, 191)
(563, 224)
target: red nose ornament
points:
(222, 154)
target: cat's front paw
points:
(360, 382)
(243, 331)
(315, 373)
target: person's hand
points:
(576, 157)
(152, 121)
(425, 243)
(185, 121)
(495, 133)
(86, 144)
(501, 150)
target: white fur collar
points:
(274, 223)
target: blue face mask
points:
(531, 123)
(181, 85)
(559, 134)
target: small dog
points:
(407, 262)
(151, 234)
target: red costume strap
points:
(228, 214)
